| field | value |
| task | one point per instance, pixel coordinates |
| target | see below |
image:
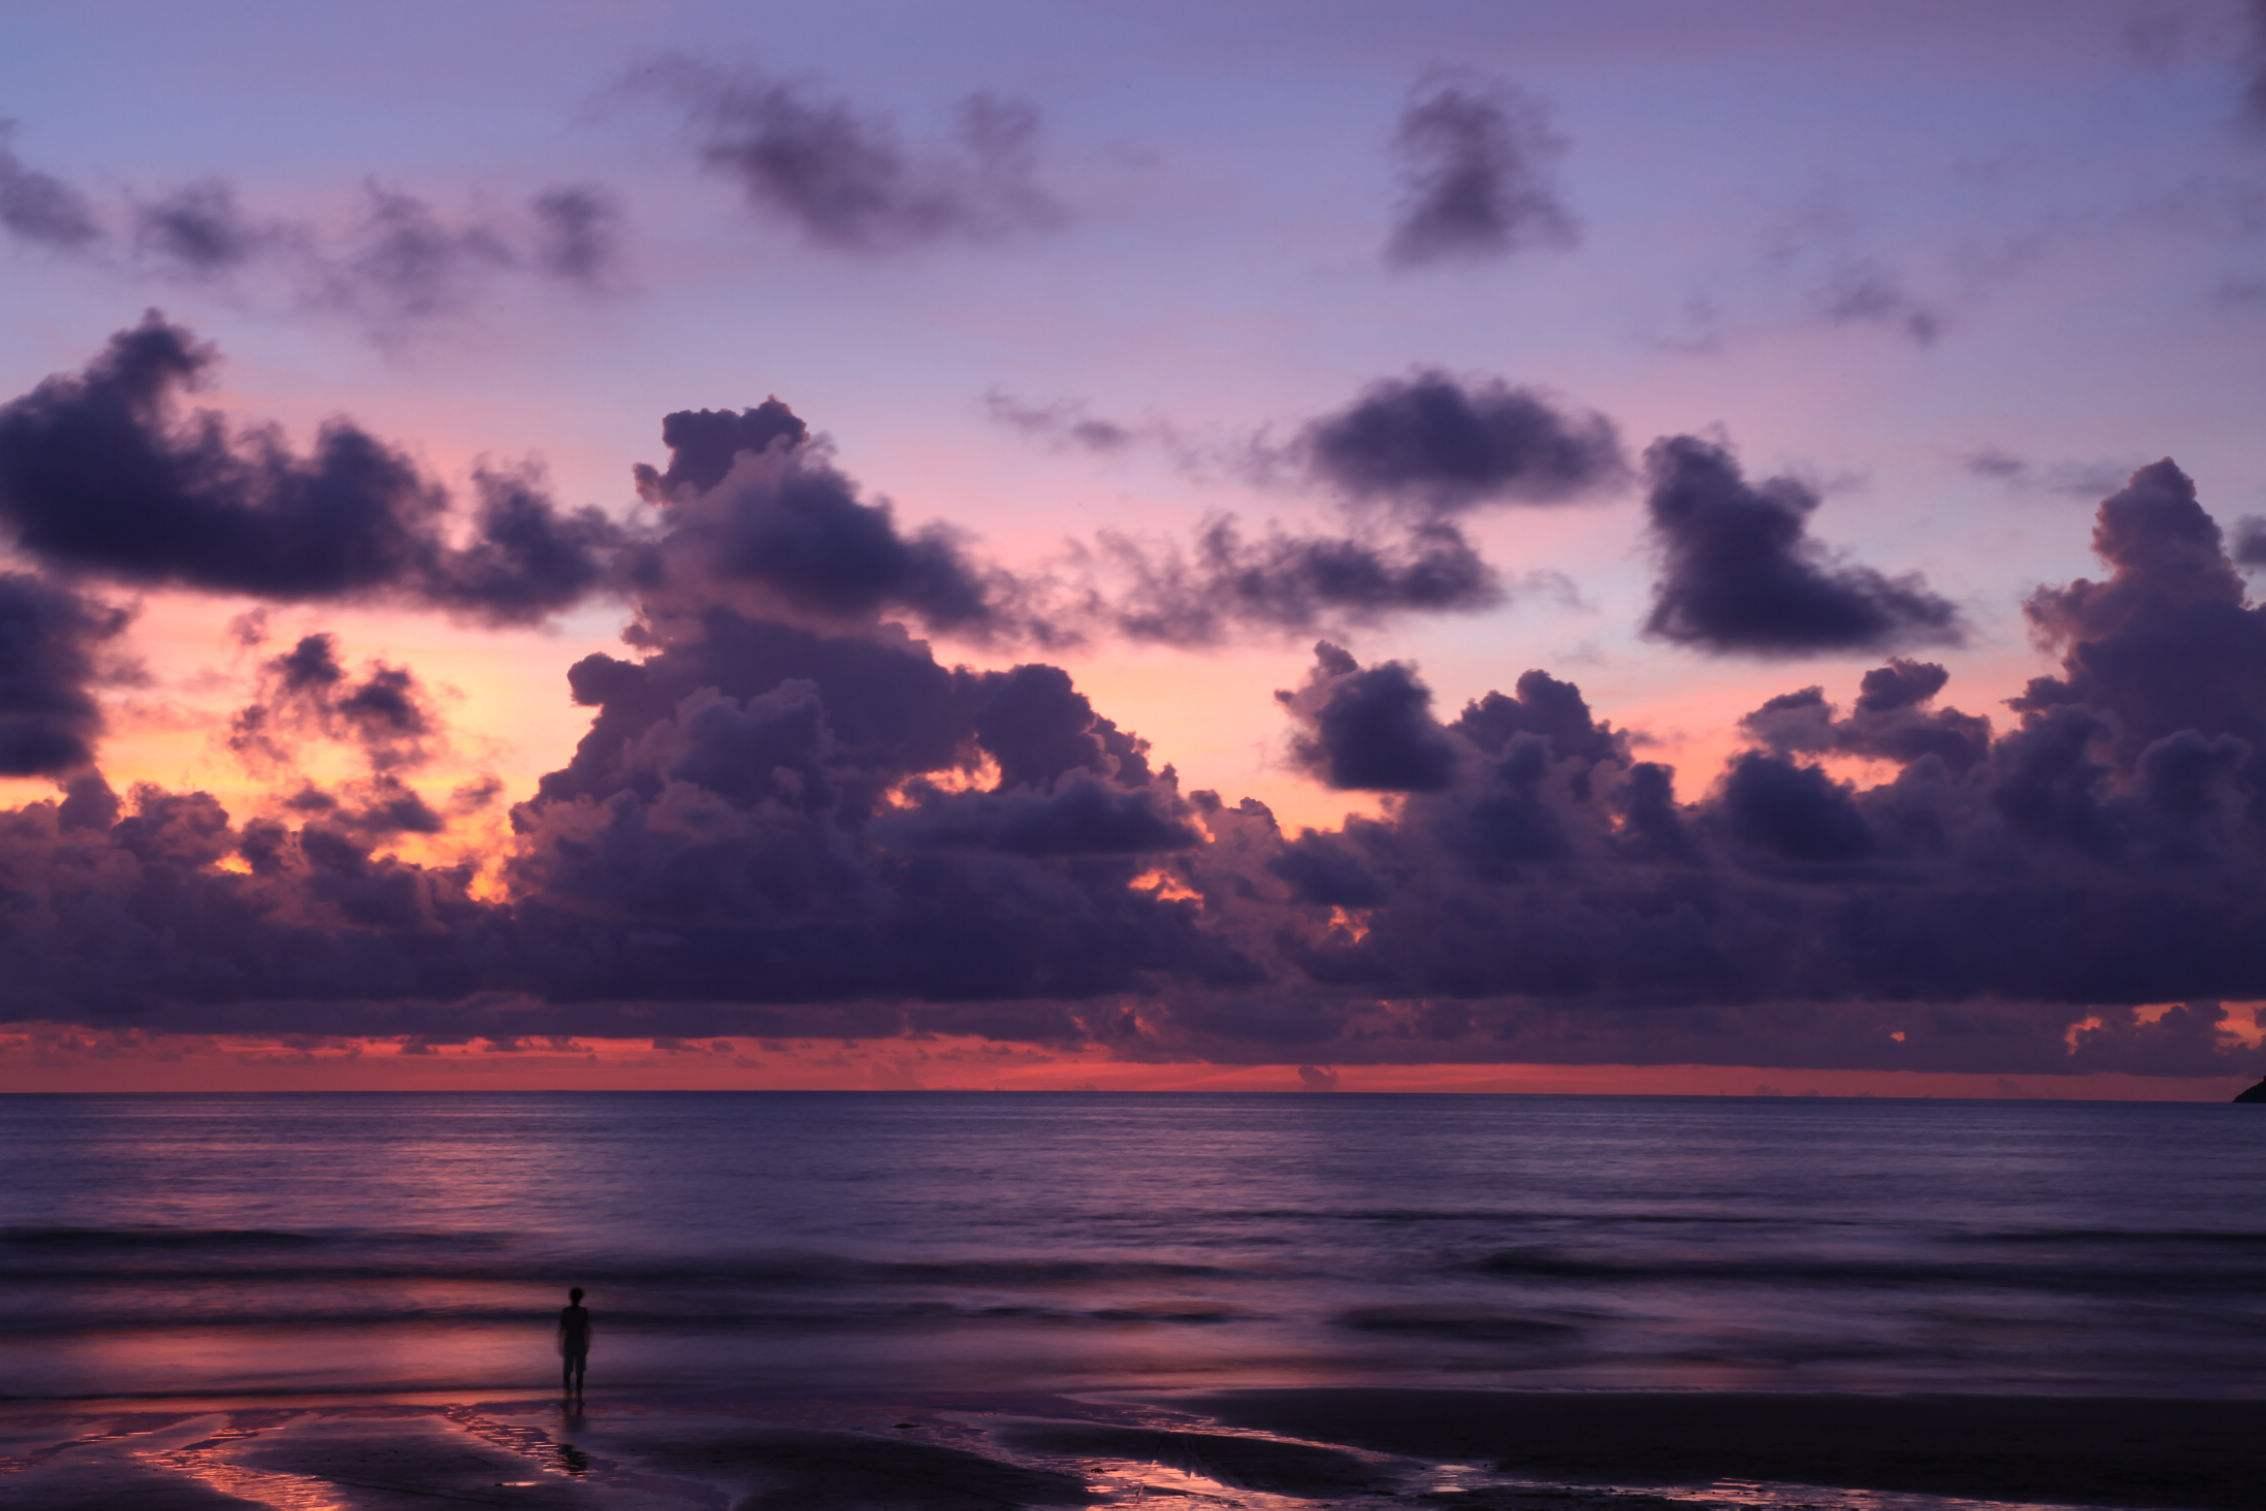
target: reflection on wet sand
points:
(1259, 1451)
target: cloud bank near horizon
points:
(790, 818)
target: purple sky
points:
(1073, 285)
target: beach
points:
(1288, 1448)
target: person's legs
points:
(566, 1374)
(575, 1366)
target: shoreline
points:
(1280, 1447)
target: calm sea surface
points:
(299, 1243)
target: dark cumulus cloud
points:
(1081, 816)
(1892, 721)
(1478, 168)
(766, 830)
(1429, 442)
(843, 178)
(1433, 442)
(383, 713)
(2168, 641)
(526, 557)
(703, 444)
(1792, 811)
(1740, 573)
(40, 208)
(788, 829)
(809, 817)
(1537, 886)
(106, 473)
(755, 512)
(1550, 710)
(307, 690)
(1283, 583)
(1900, 685)
(52, 641)
(757, 515)
(1367, 728)
(1402, 460)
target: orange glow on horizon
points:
(52, 1058)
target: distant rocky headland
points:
(2255, 1094)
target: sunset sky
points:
(1623, 547)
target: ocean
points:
(178, 1246)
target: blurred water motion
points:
(202, 1245)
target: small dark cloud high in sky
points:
(1478, 166)
(38, 207)
(843, 177)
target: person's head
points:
(575, 1295)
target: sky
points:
(1619, 547)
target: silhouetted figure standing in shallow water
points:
(574, 1341)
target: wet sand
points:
(2202, 1454)
(1482, 1451)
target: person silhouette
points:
(574, 1341)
